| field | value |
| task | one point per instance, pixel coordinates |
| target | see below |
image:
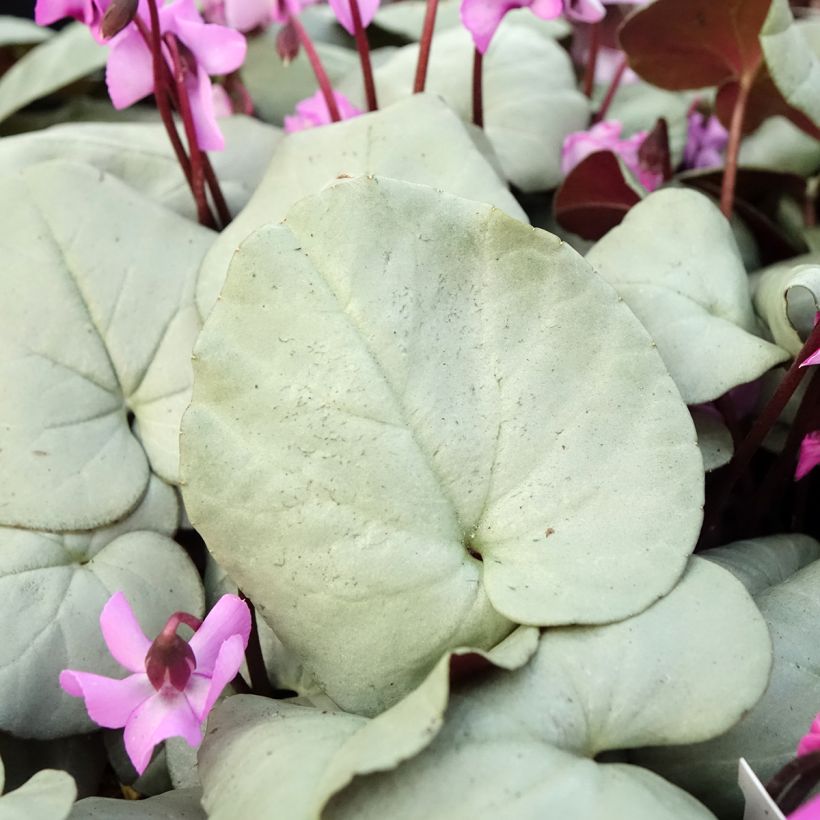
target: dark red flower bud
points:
(287, 43)
(118, 15)
(170, 659)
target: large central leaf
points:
(399, 383)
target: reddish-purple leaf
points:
(594, 197)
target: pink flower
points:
(313, 112)
(367, 10)
(173, 684)
(810, 742)
(808, 811)
(89, 12)
(606, 136)
(482, 17)
(214, 49)
(705, 142)
(246, 15)
(809, 456)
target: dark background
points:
(20, 8)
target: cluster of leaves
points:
(458, 463)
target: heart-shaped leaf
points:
(787, 296)
(97, 321)
(319, 752)
(520, 743)
(783, 574)
(180, 804)
(48, 795)
(419, 140)
(684, 279)
(531, 101)
(53, 588)
(400, 382)
(140, 154)
(595, 196)
(68, 56)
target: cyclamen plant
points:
(484, 364)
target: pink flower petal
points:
(367, 10)
(313, 112)
(809, 456)
(122, 633)
(584, 11)
(109, 702)
(219, 50)
(483, 17)
(245, 15)
(808, 811)
(200, 93)
(230, 616)
(47, 12)
(165, 714)
(547, 9)
(129, 74)
(225, 669)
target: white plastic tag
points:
(759, 805)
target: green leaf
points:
(181, 804)
(686, 282)
(46, 796)
(520, 744)
(97, 321)
(789, 598)
(714, 439)
(531, 101)
(68, 56)
(793, 64)
(140, 154)
(15, 31)
(53, 588)
(781, 146)
(401, 380)
(319, 752)
(787, 297)
(418, 140)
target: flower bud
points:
(170, 659)
(118, 15)
(287, 43)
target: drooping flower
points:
(213, 49)
(367, 10)
(706, 141)
(809, 456)
(88, 12)
(312, 112)
(606, 136)
(173, 684)
(482, 17)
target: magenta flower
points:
(173, 684)
(214, 50)
(810, 742)
(89, 12)
(808, 811)
(482, 17)
(313, 112)
(606, 136)
(246, 15)
(706, 141)
(341, 8)
(809, 456)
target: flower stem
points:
(611, 91)
(318, 69)
(592, 58)
(727, 191)
(478, 89)
(791, 775)
(260, 683)
(364, 55)
(424, 46)
(197, 166)
(760, 429)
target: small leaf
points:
(685, 281)
(595, 196)
(68, 56)
(48, 795)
